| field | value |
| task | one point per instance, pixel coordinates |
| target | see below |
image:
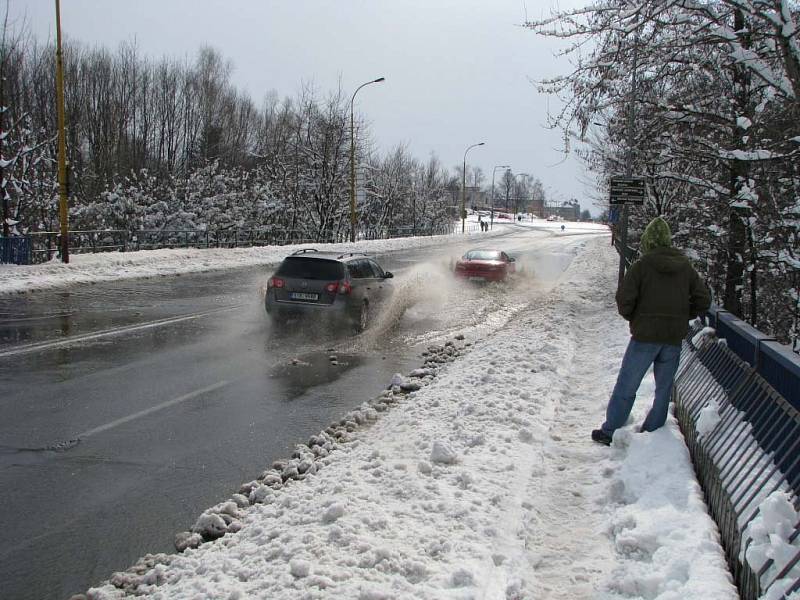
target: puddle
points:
(306, 371)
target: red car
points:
(485, 265)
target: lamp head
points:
(379, 79)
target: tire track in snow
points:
(564, 513)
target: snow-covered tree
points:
(716, 104)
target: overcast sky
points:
(457, 72)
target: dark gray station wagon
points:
(333, 287)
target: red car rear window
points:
(482, 255)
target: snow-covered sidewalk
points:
(481, 484)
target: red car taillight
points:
(276, 282)
(342, 287)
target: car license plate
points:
(303, 296)
(476, 278)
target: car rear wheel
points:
(363, 318)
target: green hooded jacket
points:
(661, 291)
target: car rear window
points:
(376, 268)
(482, 255)
(310, 268)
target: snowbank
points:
(111, 266)
(667, 545)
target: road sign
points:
(628, 190)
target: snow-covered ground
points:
(483, 483)
(112, 266)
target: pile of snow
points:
(667, 544)
(483, 483)
(709, 418)
(704, 336)
(768, 541)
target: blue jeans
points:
(638, 358)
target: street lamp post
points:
(353, 160)
(464, 186)
(491, 221)
(516, 202)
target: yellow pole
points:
(62, 143)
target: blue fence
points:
(774, 361)
(752, 451)
(15, 250)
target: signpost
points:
(630, 189)
(627, 190)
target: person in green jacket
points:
(660, 293)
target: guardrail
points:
(744, 439)
(774, 361)
(15, 250)
(44, 245)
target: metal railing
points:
(774, 361)
(753, 451)
(44, 246)
(15, 250)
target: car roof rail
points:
(345, 254)
(304, 250)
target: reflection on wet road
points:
(177, 391)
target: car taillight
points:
(345, 288)
(332, 288)
(275, 282)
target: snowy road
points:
(180, 392)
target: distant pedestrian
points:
(660, 293)
(562, 228)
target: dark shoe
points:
(601, 437)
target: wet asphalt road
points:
(179, 392)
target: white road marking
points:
(77, 339)
(152, 409)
